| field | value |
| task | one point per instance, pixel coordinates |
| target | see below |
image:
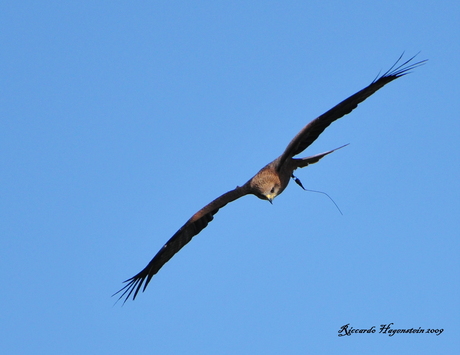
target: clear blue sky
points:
(119, 120)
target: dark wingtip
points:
(397, 70)
(133, 284)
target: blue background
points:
(119, 120)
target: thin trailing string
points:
(298, 182)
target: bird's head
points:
(266, 184)
(266, 189)
(271, 192)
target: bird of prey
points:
(269, 182)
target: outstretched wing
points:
(312, 130)
(194, 225)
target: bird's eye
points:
(272, 190)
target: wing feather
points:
(313, 129)
(192, 227)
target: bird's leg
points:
(297, 181)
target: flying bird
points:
(269, 182)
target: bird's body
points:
(268, 183)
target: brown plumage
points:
(268, 183)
